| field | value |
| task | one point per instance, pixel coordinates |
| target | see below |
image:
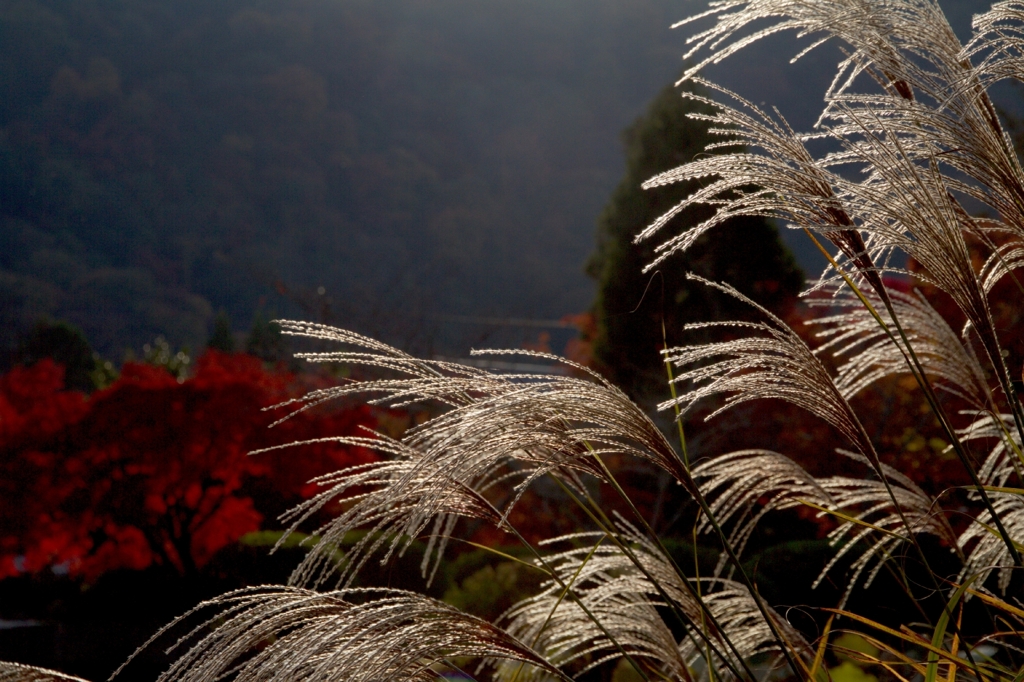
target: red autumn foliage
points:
(151, 470)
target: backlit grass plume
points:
(16, 672)
(297, 634)
(907, 180)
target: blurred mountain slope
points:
(162, 160)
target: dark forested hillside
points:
(371, 162)
(160, 160)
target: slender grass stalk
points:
(561, 596)
(567, 589)
(703, 625)
(706, 509)
(675, 399)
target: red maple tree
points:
(150, 470)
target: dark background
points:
(415, 160)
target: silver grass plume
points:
(778, 364)
(735, 609)
(907, 201)
(1004, 460)
(774, 363)
(611, 586)
(932, 114)
(853, 334)
(909, 49)
(876, 529)
(907, 205)
(788, 182)
(998, 42)
(275, 633)
(418, 497)
(627, 603)
(736, 483)
(988, 552)
(930, 135)
(18, 672)
(548, 420)
(930, 99)
(942, 113)
(498, 428)
(931, 155)
(879, 31)
(1005, 258)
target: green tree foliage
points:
(222, 338)
(265, 340)
(160, 353)
(66, 345)
(631, 306)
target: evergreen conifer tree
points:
(265, 340)
(222, 338)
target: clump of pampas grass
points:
(912, 140)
